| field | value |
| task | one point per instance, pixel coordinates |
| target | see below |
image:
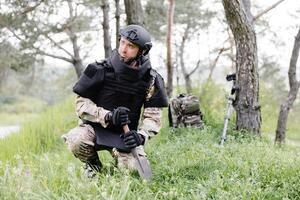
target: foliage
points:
(273, 92)
(188, 12)
(41, 134)
(271, 78)
(187, 163)
(191, 12)
(44, 85)
(156, 18)
(12, 59)
(47, 28)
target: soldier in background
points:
(111, 94)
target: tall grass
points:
(187, 163)
(42, 133)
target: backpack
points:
(184, 110)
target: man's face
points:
(127, 49)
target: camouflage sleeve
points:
(88, 110)
(151, 122)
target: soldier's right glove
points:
(118, 116)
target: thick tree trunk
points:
(292, 95)
(169, 49)
(134, 12)
(247, 97)
(105, 25)
(117, 16)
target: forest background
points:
(45, 46)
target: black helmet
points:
(137, 35)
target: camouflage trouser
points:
(84, 135)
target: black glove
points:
(133, 139)
(118, 116)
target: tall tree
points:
(105, 25)
(248, 114)
(169, 48)
(134, 12)
(28, 25)
(292, 95)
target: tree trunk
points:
(77, 62)
(117, 16)
(186, 76)
(134, 12)
(105, 25)
(292, 95)
(247, 97)
(169, 49)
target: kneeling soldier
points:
(111, 94)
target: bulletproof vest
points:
(123, 86)
(111, 84)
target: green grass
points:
(41, 134)
(187, 163)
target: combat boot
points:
(92, 167)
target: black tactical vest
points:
(111, 84)
(116, 90)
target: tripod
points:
(229, 109)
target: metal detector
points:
(229, 109)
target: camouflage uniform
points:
(123, 86)
(84, 134)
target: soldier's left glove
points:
(133, 139)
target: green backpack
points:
(184, 110)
